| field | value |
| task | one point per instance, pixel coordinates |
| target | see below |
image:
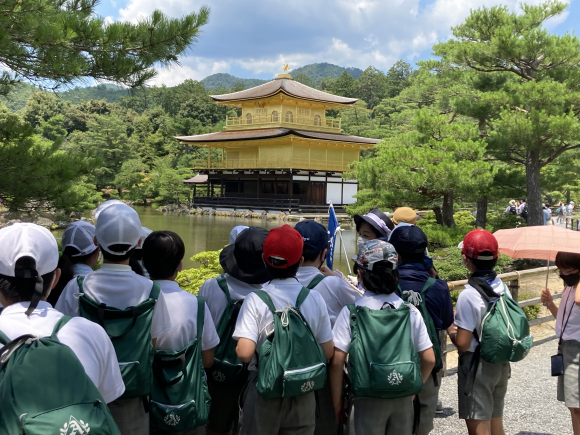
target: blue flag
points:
(333, 227)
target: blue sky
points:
(252, 38)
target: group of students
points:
(277, 344)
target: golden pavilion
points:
(281, 153)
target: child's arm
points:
(427, 363)
(462, 339)
(245, 349)
(207, 357)
(336, 374)
(328, 349)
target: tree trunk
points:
(438, 215)
(535, 214)
(568, 196)
(481, 218)
(448, 209)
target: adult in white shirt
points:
(79, 255)
(482, 405)
(245, 273)
(568, 330)
(336, 293)
(376, 267)
(116, 285)
(282, 253)
(29, 246)
(163, 252)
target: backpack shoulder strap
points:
(4, 340)
(428, 284)
(302, 296)
(221, 280)
(266, 299)
(315, 281)
(80, 280)
(155, 290)
(200, 317)
(63, 321)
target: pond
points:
(210, 233)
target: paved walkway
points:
(531, 405)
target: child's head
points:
(243, 260)
(373, 225)
(28, 264)
(316, 241)
(404, 215)
(163, 252)
(138, 254)
(410, 242)
(118, 232)
(283, 252)
(480, 250)
(376, 267)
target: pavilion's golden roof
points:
(287, 86)
(266, 133)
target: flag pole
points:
(344, 249)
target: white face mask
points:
(360, 241)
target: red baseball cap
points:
(283, 244)
(480, 241)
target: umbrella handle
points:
(547, 276)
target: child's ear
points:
(180, 267)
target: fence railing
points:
(312, 121)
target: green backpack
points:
(418, 300)
(383, 360)
(315, 281)
(291, 362)
(130, 333)
(505, 330)
(44, 389)
(179, 396)
(227, 367)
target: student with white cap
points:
(136, 262)
(29, 249)
(79, 255)
(115, 290)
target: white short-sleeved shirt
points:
(336, 293)
(343, 335)
(521, 208)
(183, 308)
(117, 286)
(471, 309)
(255, 316)
(87, 340)
(568, 312)
(81, 269)
(215, 297)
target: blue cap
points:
(409, 240)
(315, 236)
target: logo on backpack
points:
(172, 419)
(307, 386)
(219, 376)
(75, 427)
(395, 378)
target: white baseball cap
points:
(106, 204)
(118, 224)
(27, 240)
(144, 233)
(80, 236)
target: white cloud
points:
(194, 68)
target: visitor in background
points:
(568, 331)
(136, 262)
(245, 272)
(571, 208)
(118, 233)
(560, 212)
(163, 253)
(547, 213)
(373, 225)
(511, 208)
(79, 256)
(336, 293)
(295, 415)
(376, 267)
(404, 215)
(523, 210)
(481, 406)
(410, 243)
(33, 248)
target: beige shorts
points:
(428, 398)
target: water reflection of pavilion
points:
(281, 152)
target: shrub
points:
(192, 279)
(449, 264)
(504, 221)
(532, 311)
(464, 219)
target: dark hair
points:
(567, 260)
(117, 248)
(313, 255)
(162, 253)
(279, 273)
(382, 279)
(65, 264)
(412, 257)
(136, 266)
(15, 289)
(138, 254)
(483, 264)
